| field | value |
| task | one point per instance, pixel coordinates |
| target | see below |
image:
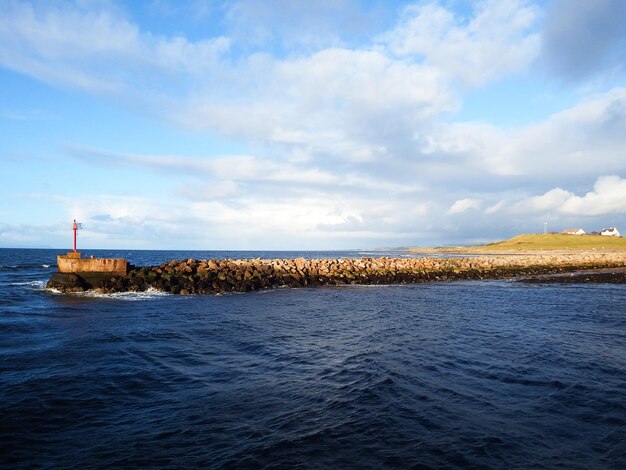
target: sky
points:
(298, 125)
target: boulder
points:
(67, 282)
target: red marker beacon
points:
(75, 228)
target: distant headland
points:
(537, 243)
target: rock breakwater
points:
(216, 276)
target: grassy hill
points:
(549, 242)
(544, 242)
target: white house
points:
(574, 231)
(610, 232)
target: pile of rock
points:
(216, 276)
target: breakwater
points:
(215, 276)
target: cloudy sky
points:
(286, 124)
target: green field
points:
(544, 242)
(549, 242)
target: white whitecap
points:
(149, 294)
(38, 284)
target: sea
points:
(463, 374)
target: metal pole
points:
(75, 228)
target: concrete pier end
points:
(76, 274)
(73, 262)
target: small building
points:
(610, 232)
(574, 231)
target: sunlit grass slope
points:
(537, 243)
(549, 242)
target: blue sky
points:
(241, 124)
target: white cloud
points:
(210, 191)
(309, 221)
(496, 207)
(354, 103)
(95, 49)
(608, 197)
(563, 145)
(498, 40)
(550, 201)
(590, 133)
(463, 205)
(225, 171)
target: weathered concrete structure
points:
(77, 274)
(73, 262)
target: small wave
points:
(371, 286)
(149, 294)
(23, 267)
(38, 284)
(9, 267)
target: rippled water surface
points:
(463, 374)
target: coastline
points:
(216, 276)
(536, 244)
(485, 250)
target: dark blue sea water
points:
(445, 375)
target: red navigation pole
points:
(75, 228)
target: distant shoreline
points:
(529, 244)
